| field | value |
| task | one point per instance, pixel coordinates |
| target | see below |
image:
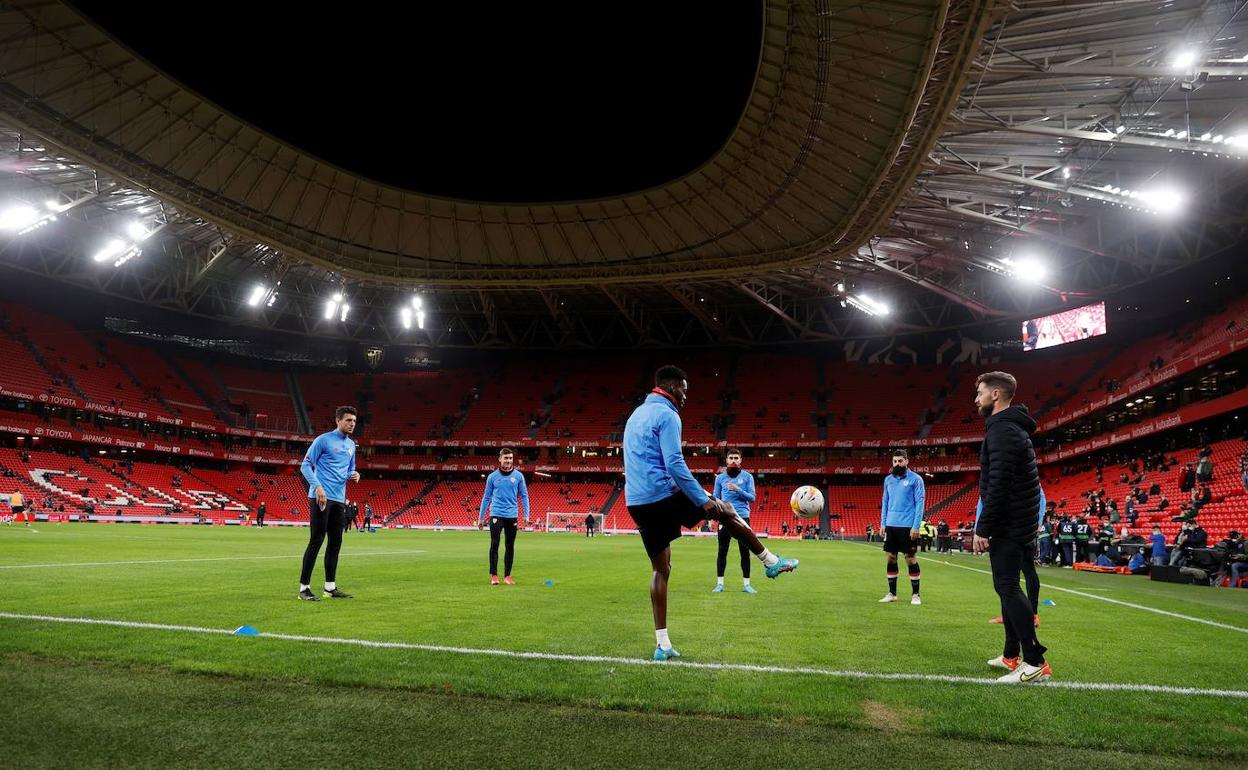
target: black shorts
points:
(897, 540)
(501, 524)
(660, 522)
(18, 510)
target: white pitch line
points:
(179, 561)
(1051, 587)
(551, 656)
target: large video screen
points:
(1067, 326)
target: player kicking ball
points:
(901, 515)
(662, 495)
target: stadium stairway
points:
(1076, 387)
(296, 397)
(362, 398)
(410, 504)
(616, 492)
(24, 341)
(209, 484)
(725, 406)
(548, 405)
(142, 386)
(940, 403)
(215, 404)
(821, 398)
(938, 507)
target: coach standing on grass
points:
(1009, 487)
(327, 466)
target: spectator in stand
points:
(1192, 535)
(1187, 479)
(1198, 538)
(1204, 468)
(1243, 470)
(1155, 489)
(1132, 513)
(1180, 540)
(1201, 497)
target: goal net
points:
(571, 522)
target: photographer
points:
(1233, 552)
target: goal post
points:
(571, 522)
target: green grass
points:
(137, 696)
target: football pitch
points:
(429, 665)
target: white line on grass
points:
(1051, 587)
(178, 561)
(551, 656)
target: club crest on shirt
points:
(513, 480)
(906, 483)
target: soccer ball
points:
(806, 502)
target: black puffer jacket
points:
(1009, 482)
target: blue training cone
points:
(246, 631)
(1049, 603)
(549, 583)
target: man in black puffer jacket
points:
(1009, 486)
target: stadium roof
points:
(923, 154)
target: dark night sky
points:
(523, 102)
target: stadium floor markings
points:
(178, 561)
(1085, 594)
(559, 657)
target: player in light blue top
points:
(901, 517)
(505, 490)
(736, 486)
(662, 495)
(327, 466)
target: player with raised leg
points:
(662, 495)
